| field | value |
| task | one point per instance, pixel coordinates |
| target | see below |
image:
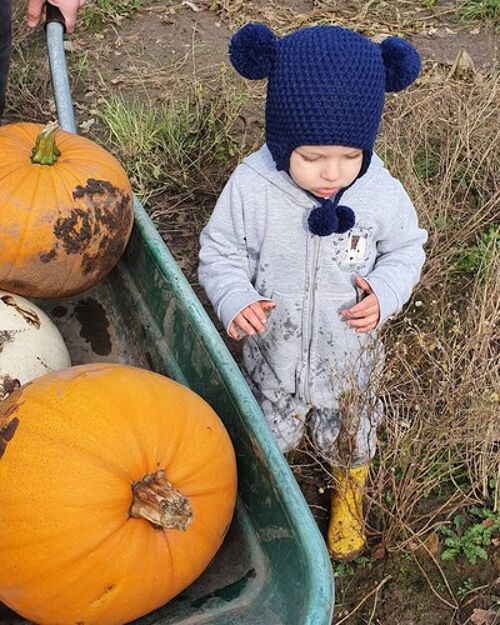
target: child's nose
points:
(330, 172)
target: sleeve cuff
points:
(387, 298)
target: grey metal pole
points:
(59, 73)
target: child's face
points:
(325, 169)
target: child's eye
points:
(310, 159)
(353, 156)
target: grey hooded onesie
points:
(257, 246)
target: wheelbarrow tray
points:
(273, 568)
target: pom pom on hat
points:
(252, 51)
(402, 63)
(326, 84)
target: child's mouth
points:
(325, 191)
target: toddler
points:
(313, 245)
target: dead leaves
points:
(431, 544)
(379, 551)
(485, 617)
(192, 6)
(462, 66)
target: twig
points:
(364, 10)
(375, 590)
(450, 605)
(374, 608)
(474, 591)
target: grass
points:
(173, 147)
(481, 10)
(80, 66)
(99, 12)
(28, 88)
(479, 256)
(348, 569)
(370, 17)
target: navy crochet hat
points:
(326, 86)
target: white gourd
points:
(30, 343)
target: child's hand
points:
(250, 320)
(365, 315)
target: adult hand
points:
(69, 8)
(365, 315)
(250, 320)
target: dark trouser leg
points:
(5, 34)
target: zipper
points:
(316, 242)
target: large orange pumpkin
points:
(66, 211)
(117, 486)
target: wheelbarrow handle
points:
(54, 15)
(55, 28)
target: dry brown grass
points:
(442, 429)
(439, 448)
(29, 90)
(371, 17)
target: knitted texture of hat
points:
(326, 84)
(327, 89)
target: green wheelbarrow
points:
(273, 568)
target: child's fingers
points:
(248, 321)
(267, 304)
(364, 322)
(367, 328)
(259, 312)
(363, 284)
(362, 306)
(251, 319)
(369, 300)
(359, 314)
(233, 333)
(254, 320)
(244, 325)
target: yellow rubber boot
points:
(346, 537)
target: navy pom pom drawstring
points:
(330, 217)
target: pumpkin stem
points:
(46, 151)
(157, 501)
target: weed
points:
(481, 10)
(29, 90)
(425, 165)
(472, 539)
(80, 66)
(480, 255)
(100, 12)
(348, 569)
(466, 586)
